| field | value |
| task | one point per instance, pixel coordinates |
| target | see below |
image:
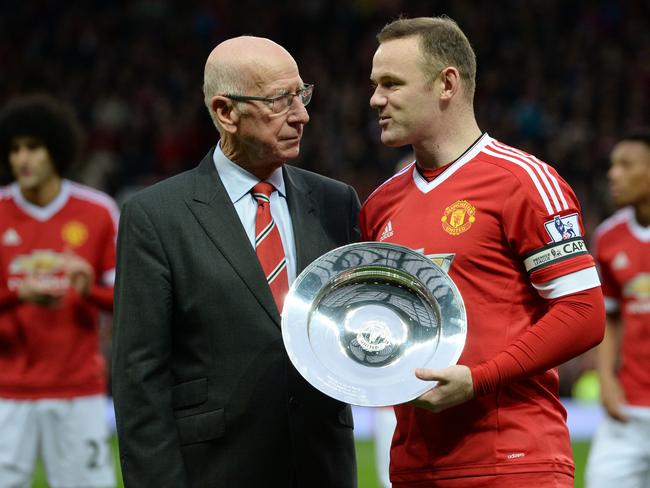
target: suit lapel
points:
(216, 214)
(305, 219)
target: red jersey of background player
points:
(513, 230)
(52, 352)
(622, 250)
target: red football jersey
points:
(622, 251)
(53, 352)
(511, 227)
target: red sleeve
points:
(573, 324)
(101, 292)
(8, 299)
(98, 296)
(101, 297)
(107, 264)
(547, 236)
(611, 288)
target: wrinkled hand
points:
(35, 291)
(613, 398)
(455, 386)
(79, 271)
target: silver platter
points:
(360, 319)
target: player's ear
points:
(449, 82)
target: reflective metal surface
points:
(360, 319)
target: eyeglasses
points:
(280, 103)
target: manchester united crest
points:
(458, 217)
(74, 233)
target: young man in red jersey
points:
(532, 294)
(57, 259)
(620, 453)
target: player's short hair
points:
(442, 43)
(641, 134)
(45, 119)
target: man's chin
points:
(27, 183)
(391, 141)
(291, 148)
(622, 202)
(291, 152)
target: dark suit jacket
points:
(204, 392)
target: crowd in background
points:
(562, 80)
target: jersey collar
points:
(426, 186)
(641, 233)
(41, 213)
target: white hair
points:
(220, 80)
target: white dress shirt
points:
(239, 183)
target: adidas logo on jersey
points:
(620, 261)
(388, 231)
(11, 237)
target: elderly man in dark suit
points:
(204, 392)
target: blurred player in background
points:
(57, 259)
(384, 429)
(620, 453)
(532, 293)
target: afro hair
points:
(45, 119)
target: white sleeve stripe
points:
(525, 158)
(545, 167)
(540, 190)
(537, 165)
(565, 205)
(100, 198)
(108, 278)
(570, 283)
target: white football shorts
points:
(71, 437)
(620, 452)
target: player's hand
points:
(455, 386)
(33, 290)
(613, 398)
(79, 271)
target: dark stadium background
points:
(561, 79)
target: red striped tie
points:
(268, 244)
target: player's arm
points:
(606, 361)
(8, 299)
(608, 353)
(31, 290)
(83, 281)
(94, 283)
(142, 342)
(572, 325)
(101, 296)
(563, 273)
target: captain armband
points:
(554, 253)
